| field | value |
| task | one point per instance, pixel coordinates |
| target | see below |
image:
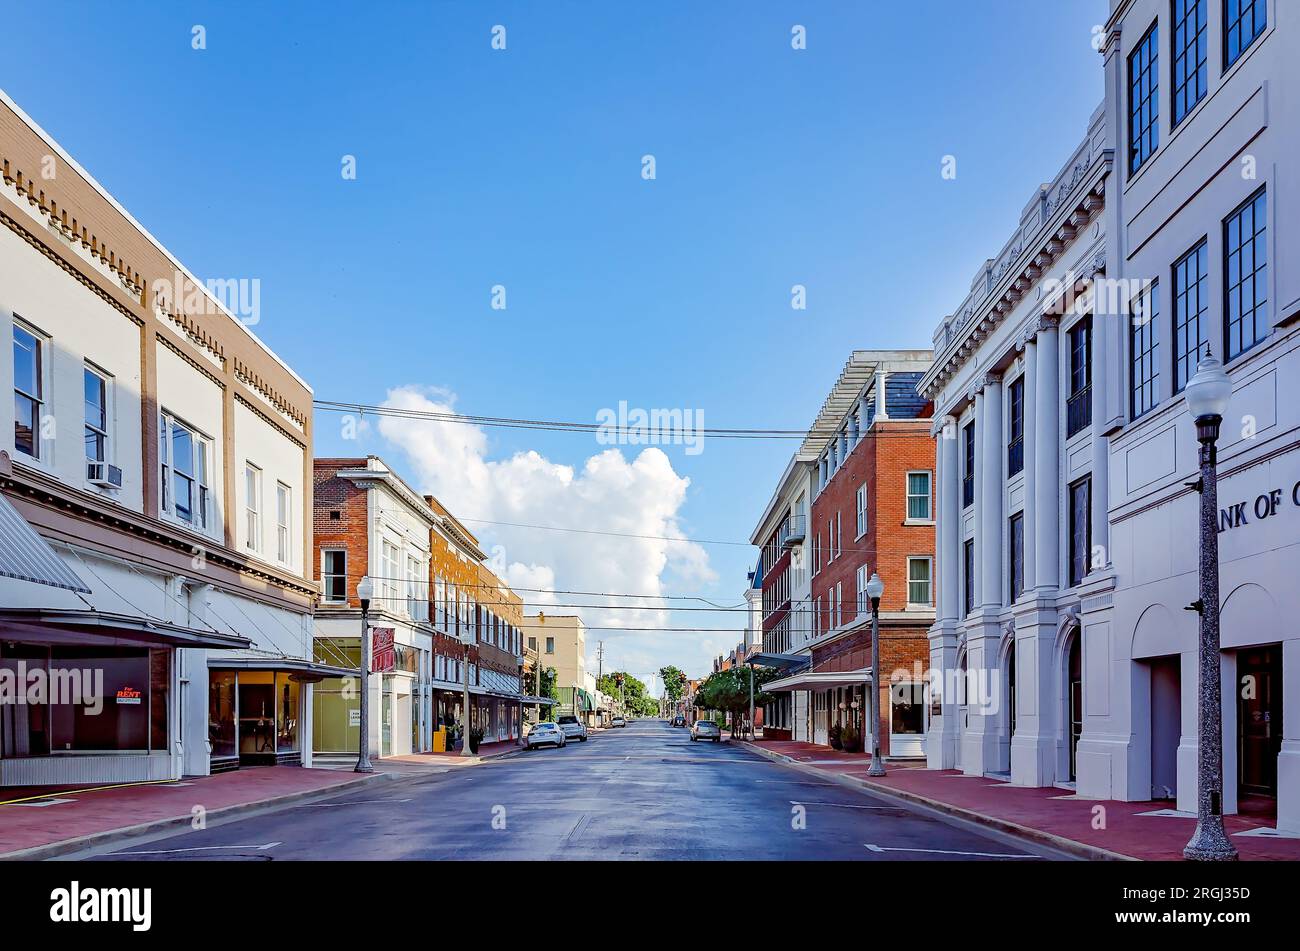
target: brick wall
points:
(881, 461)
(339, 520)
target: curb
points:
(52, 850)
(1060, 843)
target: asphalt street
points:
(644, 792)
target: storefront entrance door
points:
(1259, 720)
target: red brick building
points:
(872, 512)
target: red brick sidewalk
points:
(1050, 812)
(454, 757)
(71, 813)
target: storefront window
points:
(24, 727)
(221, 712)
(286, 737)
(123, 722)
(907, 710)
(256, 712)
(336, 715)
(160, 681)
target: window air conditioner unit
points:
(104, 475)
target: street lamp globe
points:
(365, 588)
(1209, 390)
(875, 587)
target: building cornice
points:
(1067, 208)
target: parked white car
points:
(572, 727)
(617, 721)
(706, 730)
(546, 734)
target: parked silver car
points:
(617, 721)
(572, 727)
(546, 734)
(706, 730)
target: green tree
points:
(673, 684)
(728, 691)
(633, 690)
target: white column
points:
(882, 409)
(977, 562)
(948, 527)
(1029, 525)
(1046, 461)
(990, 498)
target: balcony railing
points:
(792, 531)
(1078, 411)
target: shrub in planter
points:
(850, 742)
(834, 736)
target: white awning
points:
(26, 556)
(819, 680)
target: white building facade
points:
(1068, 507)
(161, 450)
(1205, 212)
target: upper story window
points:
(1144, 367)
(1245, 310)
(334, 575)
(830, 539)
(390, 573)
(861, 501)
(1189, 308)
(1078, 409)
(186, 481)
(1080, 529)
(96, 387)
(1016, 552)
(968, 473)
(253, 507)
(918, 581)
(1016, 445)
(918, 496)
(863, 601)
(1189, 55)
(1144, 99)
(817, 553)
(550, 645)
(968, 574)
(29, 391)
(1243, 22)
(283, 520)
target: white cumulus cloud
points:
(642, 496)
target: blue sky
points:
(522, 167)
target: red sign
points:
(382, 650)
(128, 695)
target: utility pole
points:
(600, 660)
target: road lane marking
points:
(359, 802)
(982, 855)
(205, 848)
(838, 805)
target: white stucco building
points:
(1068, 529)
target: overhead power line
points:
(649, 434)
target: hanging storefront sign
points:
(383, 650)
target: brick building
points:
(872, 512)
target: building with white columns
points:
(1068, 507)
(1205, 207)
(1023, 572)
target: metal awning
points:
(779, 661)
(54, 626)
(27, 556)
(819, 680)
(298, 668)
(537, 701)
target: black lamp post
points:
(1207, 399)
(875, 588)
(365, 588)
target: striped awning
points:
(26, 556)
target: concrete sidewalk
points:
(48, 822)
(1089, 828)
